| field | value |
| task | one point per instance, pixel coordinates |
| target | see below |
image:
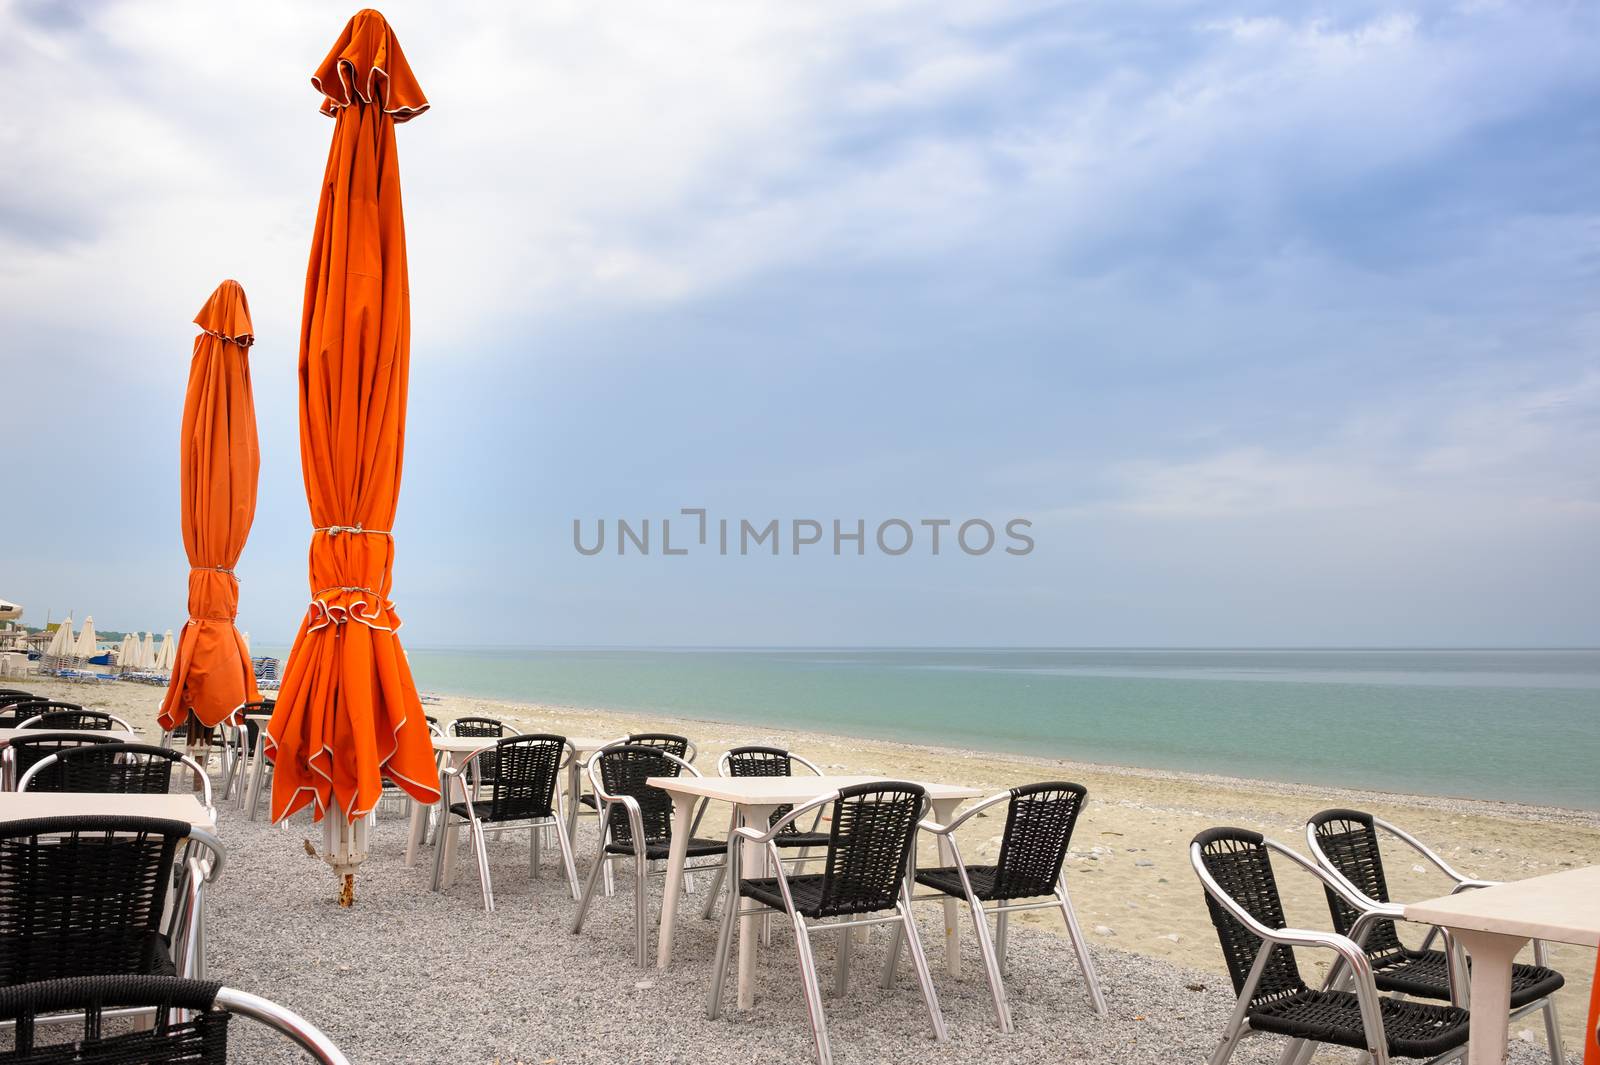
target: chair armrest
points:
(930, 825)
(777, 827)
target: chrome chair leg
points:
(719, 969)
(1001, 921)
(813, 992)
(991, 966)
(480, 848)
(710, 908)
(566, 857)
(891, 960)
(533, 852)
(438, 854)
(641, 921)
(1552, 1024)
(600, 863)
(1080, 946)
(919, 961)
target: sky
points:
(1278, 323)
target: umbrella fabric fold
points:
(347, 713)
(219, 461)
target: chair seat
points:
(1414, 1029)
(589, 801)
(948, 880)
(1424, 974)
(131, 951)
(484, 809)
(807, 892)
(802, 839)
(659, 849)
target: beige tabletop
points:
(1561, 907)
(18, 806)
(117, 735)
(787, 791)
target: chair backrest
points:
(1039, 823)
(1348, 839)
(623, 771)
(678, 746)
(477, 726)
(22, 709)
(15, 695)
(82, 894)
(76, 718)
(758, 761)
(1238, 861)
(108, 768)
(252, 729)
(190, 1023)
(29, 751)
(525, 783)
(869, 846)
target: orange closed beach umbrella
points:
(220, 462)
(348, 714)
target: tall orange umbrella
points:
(219, 461)
(348, 713)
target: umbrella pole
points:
(344, 848)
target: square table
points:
(7, 770)
(754, 799)
(1493, 923)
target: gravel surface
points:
(412, 976)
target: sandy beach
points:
(1128, 870)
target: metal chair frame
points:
(641, 864)
(994, 949)
(1371, 911)
(580, 808)
(33, 722)
(8, 754)
(902, 920)
(1351, 958)
(169, 988)
(141, 749)
(478, 830)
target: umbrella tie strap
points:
(214, 569)
(335, 530)
(342, 588)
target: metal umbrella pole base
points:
(344, 847)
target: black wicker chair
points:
(114, 768)
(867, 867)
(19, 710)
(21, 753)
(636, 823)
(188, 1022)
(1235, 868)
(1039, 823)
(480, 728)
(1345, 844)
(677, 746)
(75, 718)
(15, 695)
(761, 761)
(522, 796)
(83, 896)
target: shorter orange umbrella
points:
(219, 461)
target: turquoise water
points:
(1515, 725)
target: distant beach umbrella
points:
(147, 651)
(347, 713)
(245, 636)
(167, 655)
(61, 642)
(86, 643)
(128, 651)
(218, 460)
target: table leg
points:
(1491, 955)
(457, 786)
(753, 860)
(682, 811)
(943, 811)
(258, 769)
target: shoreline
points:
(1464, 803)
